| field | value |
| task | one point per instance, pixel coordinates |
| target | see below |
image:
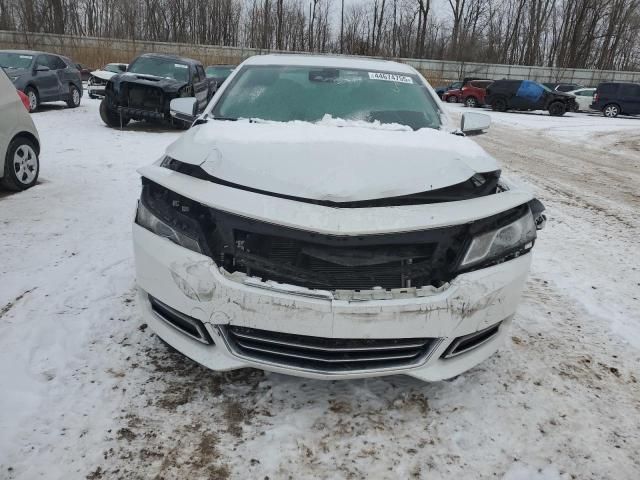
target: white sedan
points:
(99, 78)
(584, 98)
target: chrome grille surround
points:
(326, 355)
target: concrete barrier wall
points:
(95, 52)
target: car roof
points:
(28, 52)
(190, 61)
(332, 61)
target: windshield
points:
(115, 68)
(160, 67)
(287, 93)
(15, 60)
(219, 72)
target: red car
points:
(452, 96)
(472, 94)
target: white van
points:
(19, 141)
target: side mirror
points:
(184, 108)
(474, 122)
(41, 68)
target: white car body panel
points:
(473, 301)
(334, 221)
(14, 118)
(105, 75)
(346, 163)
(267, 166)
(584, 101)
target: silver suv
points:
(19, 142)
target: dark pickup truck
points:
(145, 91)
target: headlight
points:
(13, 79)
(506, 240)
(148, 220)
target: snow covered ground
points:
(89, 392)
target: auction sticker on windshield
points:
(390, 77)
(179, 65)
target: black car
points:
(613, 99)
(43, 77)
(145, 90)
(505, 95)
(219, 73)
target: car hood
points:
(166, 84)
(103, 74)
(331, 161)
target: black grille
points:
(350, 267)
(327, 354)
(144, 97)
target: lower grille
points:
(327, 355)
(468, 342)
(191, 327)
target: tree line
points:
(600, 34)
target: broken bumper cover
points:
(234, 309)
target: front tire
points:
(499, 105)
(557, 109)
(74, 97)
(471, 102)
(110, 117)
(34, 99)
(612, 110)
(21, 166)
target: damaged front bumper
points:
(228, 321)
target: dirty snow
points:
(89, 392)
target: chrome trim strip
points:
(418, 362)
(327, 360)
(325, 349)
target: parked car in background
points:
(440, 91)
(584, 98)
(99, 78)
(453, 95)
(219, 73)
(151, 81)
(85, 72)
(232, 225)
(19, 141)
(616, 98)
(43, 77)
(473, 92)
(505, 95)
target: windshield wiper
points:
(228, 119)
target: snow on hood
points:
(103, 74)
(332, 160)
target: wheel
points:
(471, 102)
(74, 97)
(110, 116)
(21, 166)
(452, 99)
(557, 109)
(499, 105)
(612, 110)
(92, 96)
(34, 99)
